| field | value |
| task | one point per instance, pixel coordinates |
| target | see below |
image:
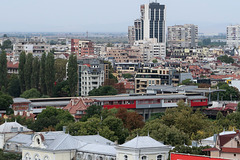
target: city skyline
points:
(111, 16)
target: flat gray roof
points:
(51, 103)
(115, 98)
(196, 97)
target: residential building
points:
(226, 146)
(36, 45)
(11, 129)
(183, 36)
(152, 22)
(131, 35)
(91, 74)
(233, 36)
(82, 47)
(78, 106)
(144, 148)
(150, 48)
(12, 67)
(178, 156)
(126, 55)
(148, 76)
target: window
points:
(144, 157)
(27, 156)
(100, 158)
(125, 157)
(89, 157)
(46, 158)
(159, 157)
(36, 157)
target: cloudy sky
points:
(212, 16)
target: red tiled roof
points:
(12, 65)
(230, 150)
(77, 104)
(226, 138)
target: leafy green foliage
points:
(49, 73)
(231, 93)
(161, 132)
(28, 71)
(187, 82)
(103, 90)
(31, 93)
(190, 150)
(61, 89)
(14, 86)
(5, 102)
(154, 61)
(35, 73)
(226, 59)
(42, 74)
(52, 117)
(7, 44)
(127, 75)
(60, 68)
(72, 74)
(22, 61)
(92, 111)
(3, 70)
(184, 119)
(9, 156)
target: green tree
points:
(127, 76)
(9, 156)
(60, 68)
(52, 117)
(49, 73)
(226, 59)
(91, 111)
(103, 90)
(185, 119)
(154, 61)
(14, 86)
(3, 70)
(72, 74)
(22, 61)
(161, 132)
(42, 74)
(231, 93)
(35, 73)
(61, 89)
(7, 44)
(5, 102)
(31, 93)
(190, 150)
(28, 71)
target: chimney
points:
(72, 102)
(21, 113)
(28, 114)
(64, 129)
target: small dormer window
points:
(144, 157)
(38, 141)
(159, 157)
(125, 157)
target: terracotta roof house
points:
(78, 106)
(226, 146)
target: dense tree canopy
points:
(226, 59)
(72, 74)
(3, 70)
(31, 93)
(52, 117)
(103, 90)
(5, 102)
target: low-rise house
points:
(226, 146)
(11, 129)
(143, 148)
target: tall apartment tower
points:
(183, 35)
(233, 36)
(152, 23)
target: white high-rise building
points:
(183, 35)
(233, 36)
(152, 23)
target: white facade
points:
(183, 35)
(233, 36)
(150, 48)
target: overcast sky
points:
(212, 16)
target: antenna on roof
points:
(98, 133)
(15, 120)
(148, 133)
